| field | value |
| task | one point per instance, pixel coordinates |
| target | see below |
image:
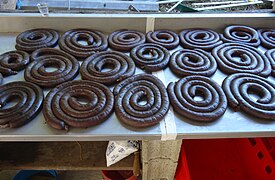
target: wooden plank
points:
(86, 4)
(216, 3)
(58, 156)
(229, 5)
(104, 22)
(214, 21)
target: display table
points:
(159, 158)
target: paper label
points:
(118, 150)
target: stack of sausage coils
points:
(107, 65)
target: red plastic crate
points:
(226, 159)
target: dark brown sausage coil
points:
(13, 61)
(34, 39)
(186, 62)
(241, 58)
(182, 97)
(241, 34)
(1, 79)
(63, 108)
(270, 54)
(70, 42)
(165, 38)
(122, 67)
(125, 40)
(67, 67)
(267, 37)
(238, 88)
(157, 60)
(132, 91)
(205, 39)
(28, 98)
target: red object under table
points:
(213, 159)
